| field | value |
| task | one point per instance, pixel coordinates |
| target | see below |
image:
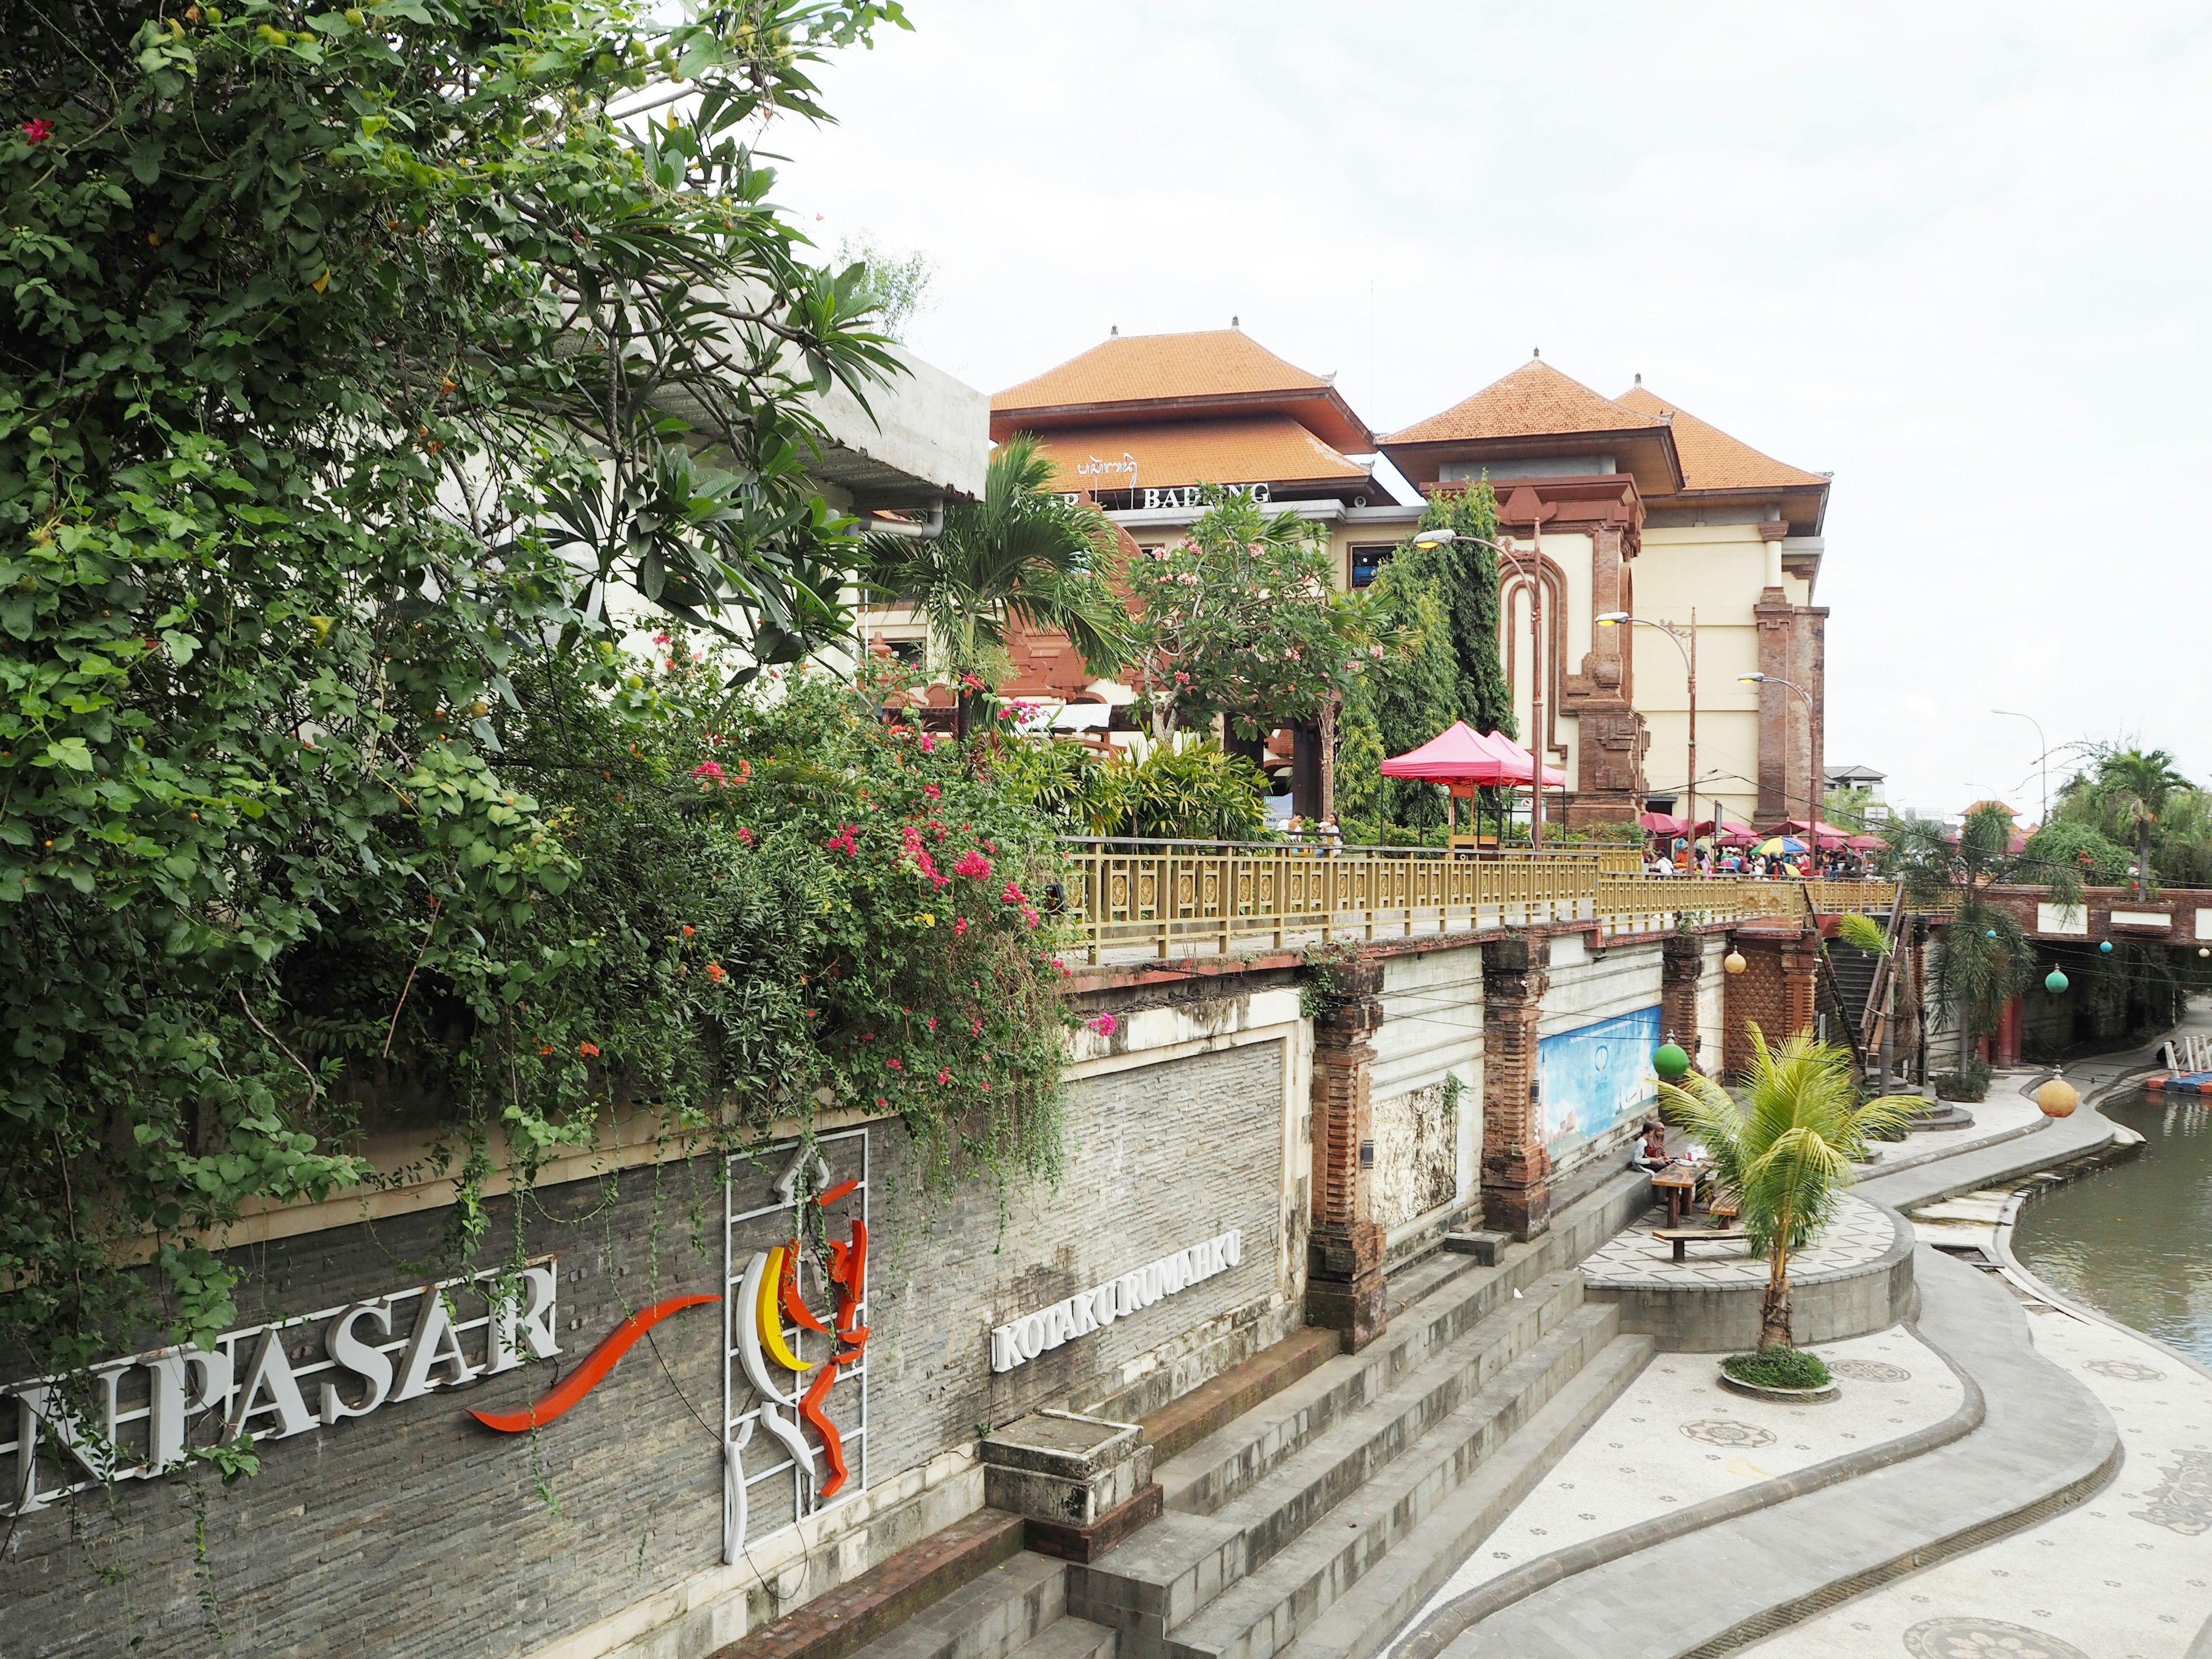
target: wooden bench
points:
(1724, 1206)
(1680, 1237)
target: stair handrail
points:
(1828, 973)
(1876, 1011)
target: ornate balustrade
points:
(1137, 899)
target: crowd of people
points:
(1679, 858)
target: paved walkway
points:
(2043, 1439)
(1861, 1234)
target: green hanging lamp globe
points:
(2054, 981)
(1670, 1063)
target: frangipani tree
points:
(1787, 1151)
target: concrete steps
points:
(1277, 1517)
(1017, 1608)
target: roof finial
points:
(1538, 352)
(1236, 322)
(1113, 332)
(1639, 377)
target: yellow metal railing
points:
(1134, 898)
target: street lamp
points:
(1615, 619)
(2043, 760)
(1812, 749)
(1442, 537)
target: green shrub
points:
(1778, 1368)
(1969, 1084)
(1197, 792)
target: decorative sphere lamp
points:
(2106, 949)
(1733, 962)
(1670, 1063)
(2057, 1097)
(1988, 932)
(2055, 981)
(2205, 950)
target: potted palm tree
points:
(1786, 1152)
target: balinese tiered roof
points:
(1150, 377)
(1536, 412)
(1713, 460)
(1272, 449)
(1535, 400)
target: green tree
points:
(1241, 620)
(1413, 689)
(1020, 555)
(2137, 786)
(1465, 573)
(1787, 1151)
(347, 361)
(1985, 958)
(895, 287)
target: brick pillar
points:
(2009, 1032)
(1682, 961)
(1777, 990)
(1516, 1194)
(1781, 787)
(1344, 1254)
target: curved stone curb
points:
(1997, 1138)
(1464, 1612)
(2087, 1130)
(2045, 1442)
(2202, 1647)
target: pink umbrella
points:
(1663, 823)
(1866, 843)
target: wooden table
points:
(1678, 1182)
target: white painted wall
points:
(1602, 984)
(1712, 992)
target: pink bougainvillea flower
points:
(895, 1063)
(1028, 916)
(929, 743)
(842, 841)
(959, 926)
(38, 131)
(974, 864)
(661, 639)
(933, 1022)
(1105, 1024)
(944, 1077)
(707, 772)
(932, 791)
(1011, 895)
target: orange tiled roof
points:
(1713, 460)
(1143, 367)
(1535, 401)
(1245, 449)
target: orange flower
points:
(587, 1049)
(689, 930)
(716, 972)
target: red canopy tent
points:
(1467, 758)
(1726, 826)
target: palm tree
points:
(1020, 555)
(1787, 1151)
(1986, 957)
(2137, 786)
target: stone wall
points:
(1428, 1134)
(1417, 1165)
(600, 1533)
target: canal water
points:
(2135, 1239)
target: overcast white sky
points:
(1954, 253)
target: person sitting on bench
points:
(1649, 1154)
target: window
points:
(906, 651)
(1367, 564)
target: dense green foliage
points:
(349, 356)
(1786, 1151)
(2101, 861)
(1779, 1368)
(1465, 573)
(1242, 619)
(1020, 555)
(2134, 799)
(1190, 791)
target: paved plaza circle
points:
(1861, 1235)
(1722, 1431)
(2125, 1371)
(1984, 1638)
(1870, 1371)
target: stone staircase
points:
(1317, 1521)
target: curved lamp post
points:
(1689, 649)
(2042, 760)
(1440, 537)
(1812, 782)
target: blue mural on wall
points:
(1595, 1076)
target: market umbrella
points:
(1726, 825)
(1663, 823)
(1826, 834)
(1789, 844)
(1866, 843)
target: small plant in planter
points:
(1778, 1368)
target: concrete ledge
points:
(1211, 1406)
(841, 1621)
(1724, 1318)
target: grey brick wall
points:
(414, 1531)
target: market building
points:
(1638, 505)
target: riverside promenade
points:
(2005, 1473)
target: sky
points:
(1954, 254)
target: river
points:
(2135, 1239)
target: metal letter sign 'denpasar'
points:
(795, 1376)
(141, 1418)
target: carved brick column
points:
(1801, 980)
(1681, 964)
(1777, 989)
(1516, 1193)
(1344, 1254)
(1777, 621)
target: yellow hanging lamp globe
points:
(1734, 961)
(2057, 1097)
